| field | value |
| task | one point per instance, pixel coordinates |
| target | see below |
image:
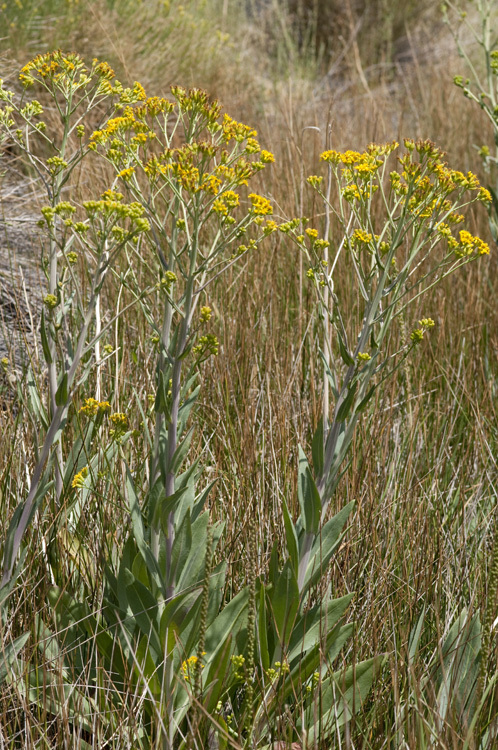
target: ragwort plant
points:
(81, 243)
(197, 671)
(160, 639)
(418, 240)
(481, 87)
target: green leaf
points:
(144, 607)
(342, 695)
(364, 401)
(273, 567)
(180, 453)
(9, 654)
(215, 680)
(310, 628)
(192, 571)
(329, 375)
(139, 532)
(11, 544)
(168, 505)
(263, 631)
(457, 677)
(146, 670)
(186, 408)
(317, 447)
(172, 618)
(61, 395)
(35, 405)
(231, 620)
(414, 638)
(346, 405)
(181, 548)
(309, 498)
(162, 404)
(284, 603)
(325, 545)
(44, 340)
(346, 356)
(291, 537)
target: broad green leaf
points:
(264, 654)
(273, 567)
(364, 401)
(309, 497)
(139, 532)
(181, 548)
(284, 603)
(325, 545)
(186, 408)
(44, 340)
(168, 505)
(317, 447)
(414, 638)
(11, 544)
(291, 538)
(173, 616)
(345, 407)
(191, 573)
(216, 677)
(342, 695)
(231, 620)
(180, 453)
(329, 375)
(311, 626)
(216, 589)
(9, 654)
(146, 669)
(200, 500)
(144, 607)
(35, 404)
(162, 404)
(458, 675)
(61, 395)
(346, 356)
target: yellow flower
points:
(360, 237)
(188, 666)
(79, 478)
(126, 174)
(206, 314)
(266, 157)
(92, 407)
(260, 206)
(120, 421)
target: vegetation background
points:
(423, 472)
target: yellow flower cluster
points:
(237, 131)
(260, 206)
(360, 238)
(120, 421)
(79, 478)
(92, 407)
(206, 314)
(226, 202)
(354, 192)
(111, 206)
(468, 245)
(208, 344)
(50, 65)
(418, 334)
(189, 665)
